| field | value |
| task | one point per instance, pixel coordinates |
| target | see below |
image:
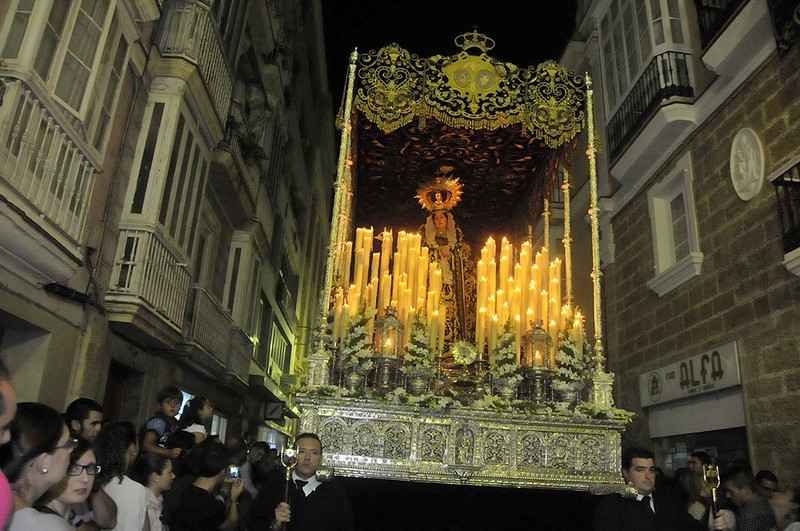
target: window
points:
(18, 27)
(263, 327)
(676, 242)
(230, 19)
(243, 284)
(146, 164)
(280, 353)
(78, 49)
(630, 30)
(184, 183)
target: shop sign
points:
(703, 373)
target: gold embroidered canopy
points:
(500, 129)
(470, 91)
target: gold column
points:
(599, 356)
(567, 241)
(340, 223)
(546, 243)
(602, 381)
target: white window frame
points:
(611, 30)
(246, 287)
(57, 64)
(669, 271)
(97, 95)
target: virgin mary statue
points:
(447, 248)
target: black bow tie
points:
(300, 483)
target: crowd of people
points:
(72, 470)
(66, 471)
(691, 499)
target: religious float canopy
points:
(431, 366)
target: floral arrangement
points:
(356, 355)
(572, 365)
(505, 370)
(464, 352)
(417, 355)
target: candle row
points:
(515, 286)
(518, 292)
(414, 284)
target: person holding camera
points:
(199, 509)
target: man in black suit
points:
(647, 511)
(313, 505)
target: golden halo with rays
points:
(439, 194)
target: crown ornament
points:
(474, 39)
(440, 193)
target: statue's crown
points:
(474, 40)
(440, 193)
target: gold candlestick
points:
(711, 477)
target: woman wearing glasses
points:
(73, 489)
(36, 459)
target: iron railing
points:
(787, 192)
(713, 16)
(187, 30)
(147, 270)
(668, 75)
(42, 163)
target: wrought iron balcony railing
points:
(713, 16)
(39, 160)
(787, 191)
(187, 30)
(147, 271)
(667, 76)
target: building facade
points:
(167, 172)
(697, 108)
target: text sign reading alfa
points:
(703, 373)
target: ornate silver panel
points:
(365, 438)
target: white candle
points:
(386, 252)
(441, 327)
(479, 332)
(493, 338)
(337, 316)
(348, 256)
(359, 272)
(434, 332)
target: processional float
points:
(422, 370)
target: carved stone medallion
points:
(747, 164)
